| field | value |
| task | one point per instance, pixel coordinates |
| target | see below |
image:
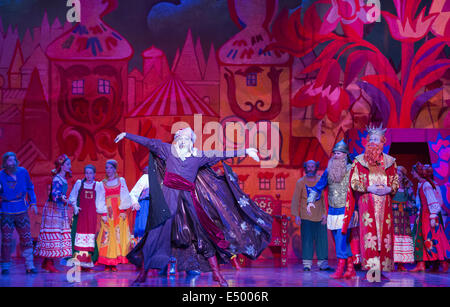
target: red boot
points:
(51, 266)
(235, 262)
(340, 269)
(401, 268)
(216, 273)
(444, 266)
(350, 269)
(44, 265)
(419, 268)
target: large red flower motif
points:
(405, 27)
(325, 92)
(441, 26)
(352, 14)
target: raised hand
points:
(119, 137)
(323, 220)
(253, 153)
(308, 208)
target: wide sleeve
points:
(350, 199)
(211, 157)
(73, 197)
(125, 199)
(30, 188)
(100, 201)
(138, 188)
(295, 203)
(315, 192)
(355, 179)
(434, 206)
(394, 182)
(156, 146)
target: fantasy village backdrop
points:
(320, 69)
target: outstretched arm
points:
(212, 157)
(154, 145)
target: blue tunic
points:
(13, 192)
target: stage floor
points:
(263, 275)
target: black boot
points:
(142, 277)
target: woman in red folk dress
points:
(88, 199)
(431, 243)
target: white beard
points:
(185, 152)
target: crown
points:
(372, 129)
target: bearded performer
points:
(336, 177)
(431, 244)
(313, 229)
(374, 180)
(15, 187)
(196, 215)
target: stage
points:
(263, 275)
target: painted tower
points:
(254, 83)
(88, 92)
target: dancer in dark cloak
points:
(195, 215)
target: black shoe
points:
(163, 271)
(5, 272)
(142, 277)
(31, 271)
(326, 269)
(306, 269)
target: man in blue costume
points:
(15, 186)
(336, 177)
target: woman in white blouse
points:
(140, 198)
(114, 236)
(88, 199)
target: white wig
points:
(186, 132)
